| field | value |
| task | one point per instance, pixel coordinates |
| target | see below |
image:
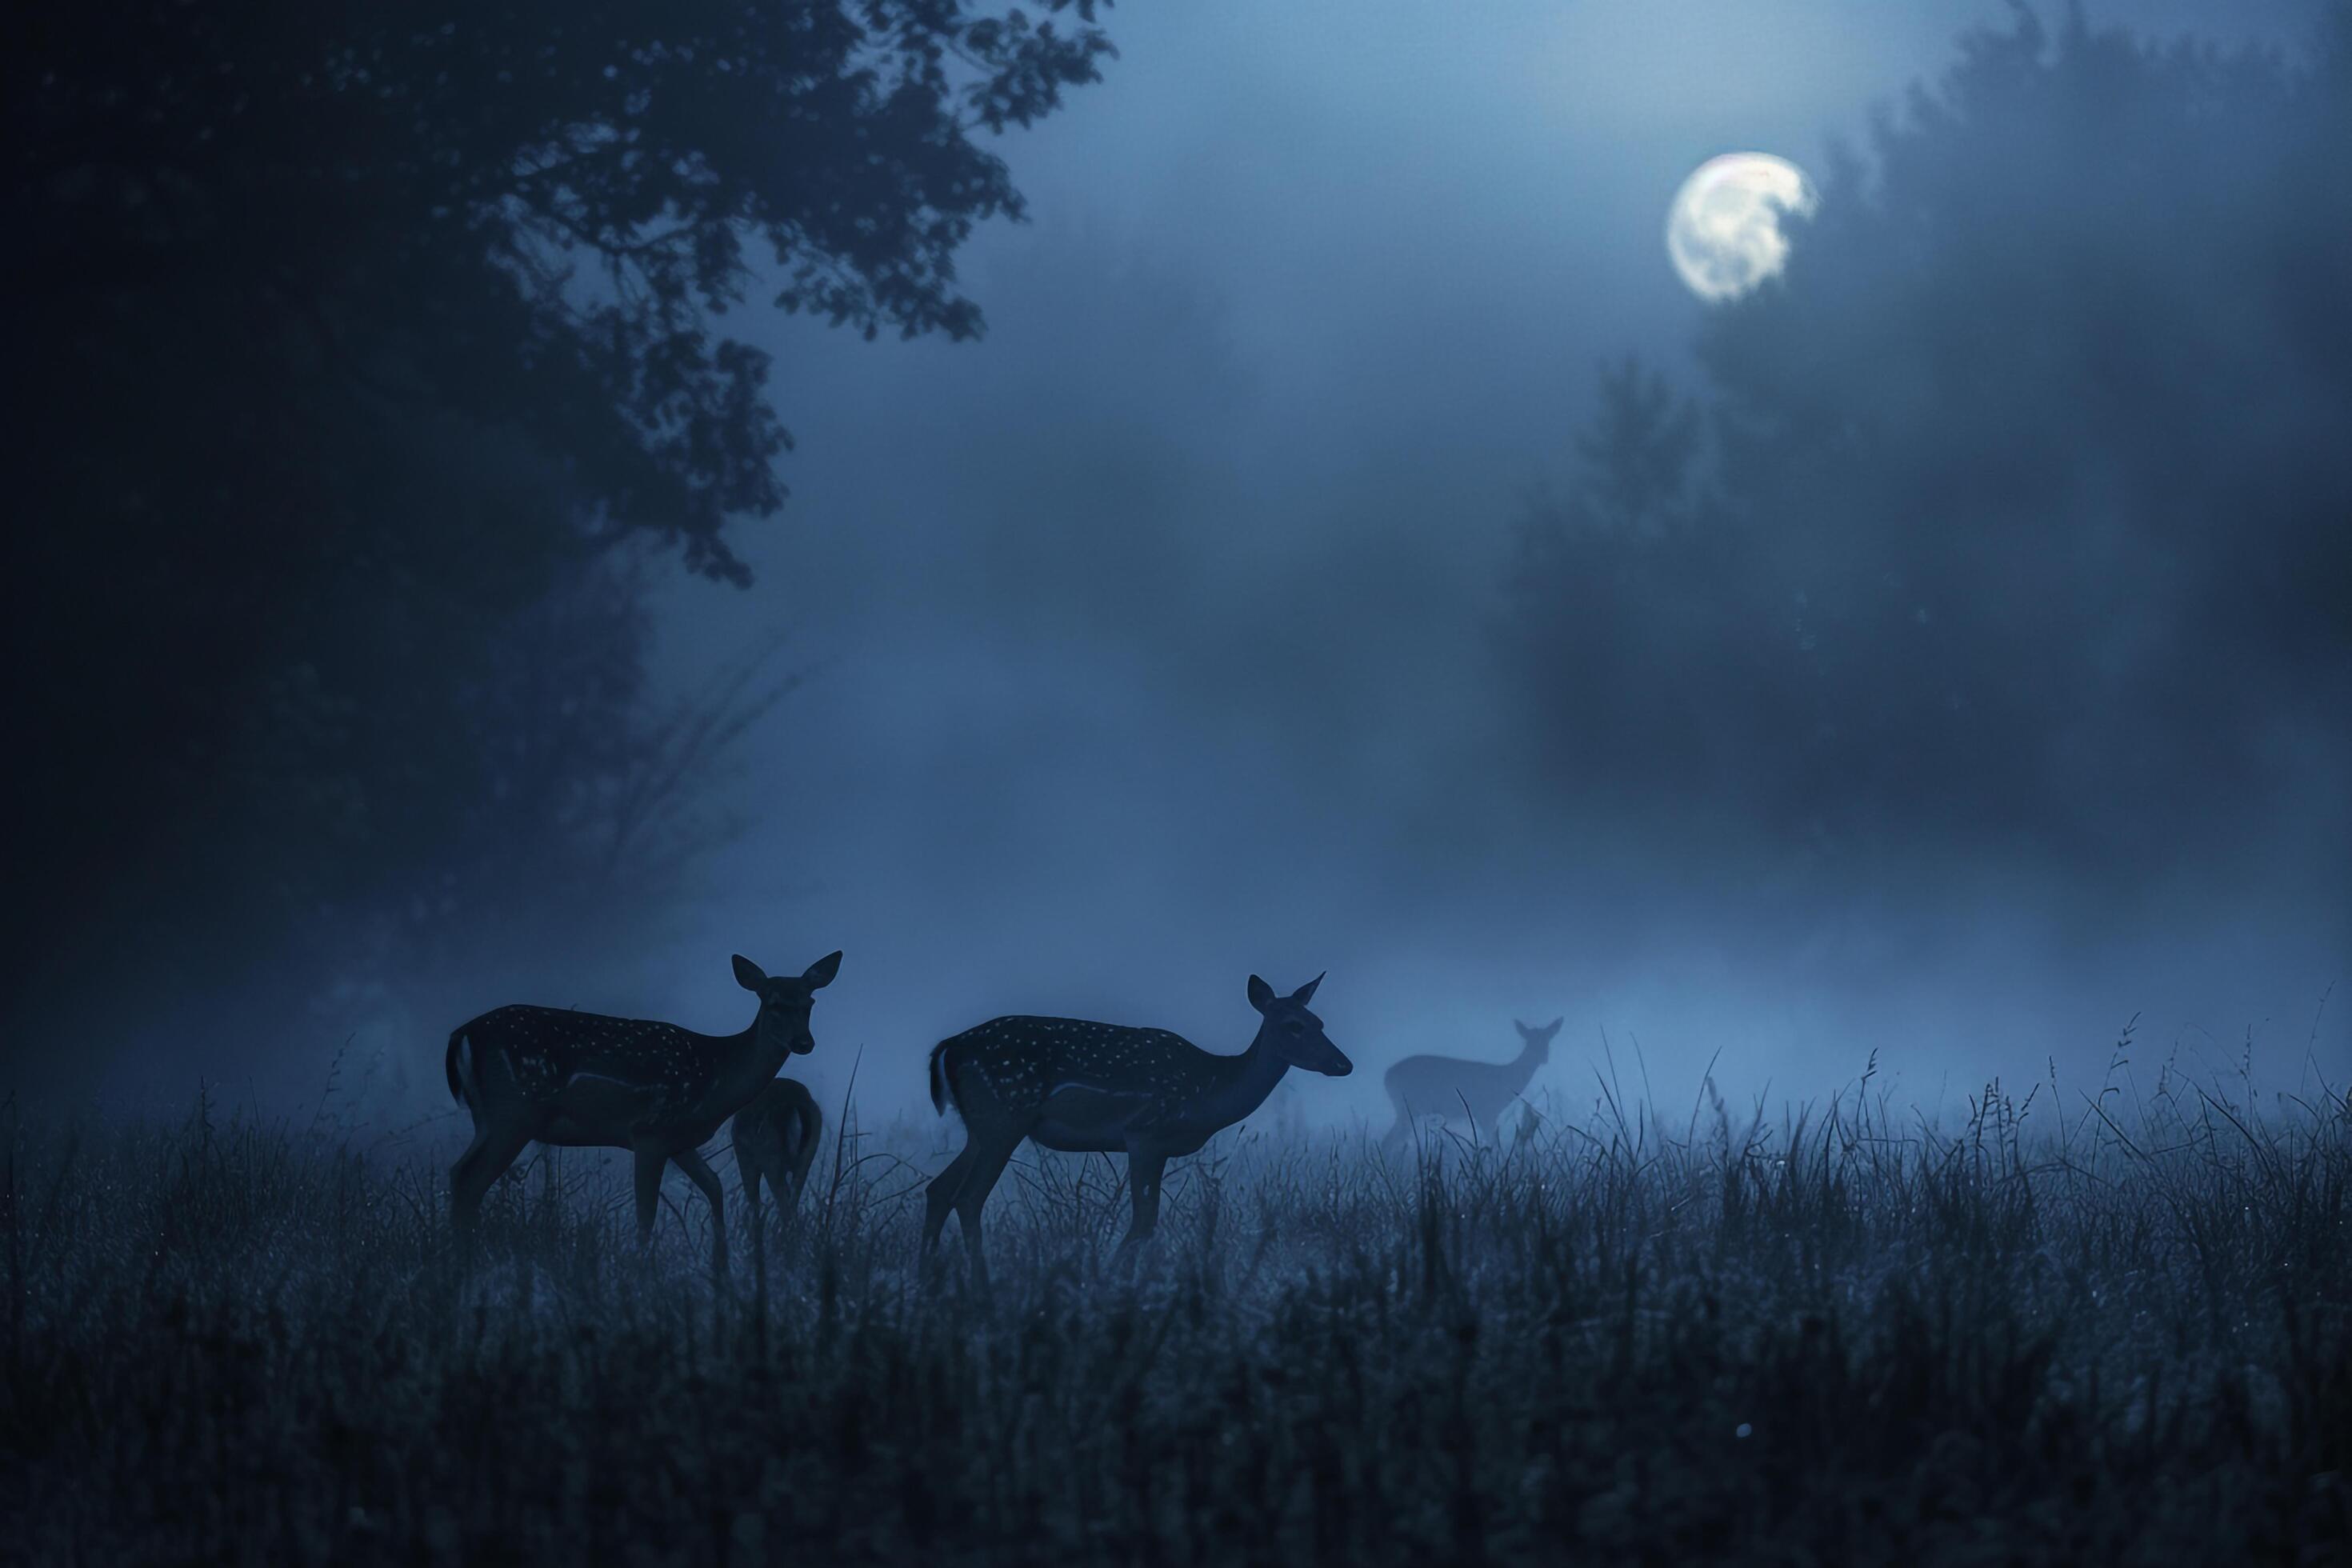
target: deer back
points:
(1439, 1084)
(1023, 1061)
(543, 1049)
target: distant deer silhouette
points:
(1449, 1086)
(775, 1138)
(583, 1080)
(1088, 1087)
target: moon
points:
(1724, 230)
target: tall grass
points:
(2114, 1332)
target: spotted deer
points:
(1085, 1087)
(1450, 1087)
(775, 1138)
(584, 1081)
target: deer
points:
(1081, 1087)
(574, 1079)
(1450, 1087)
(775, 1137)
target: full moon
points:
(1723, 233)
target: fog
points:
(1153, 629)
(1156, 639)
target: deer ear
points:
(747, 975)
(1306, 992)
(1261, 995)
(1553, 1028)
(820, 974)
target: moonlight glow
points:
(1724, 232)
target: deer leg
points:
(988, 1162)
(750, 1170)
(1143, 1171)
(484, 1162)
(697, 1171)
(803, 1155)
(465, 1199)
(941, 1195)
(649, 1175)
(1403, 1127)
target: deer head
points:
(1539, 1041)
(1294, 1034)
(784, 1002)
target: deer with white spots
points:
(584, 1081)
(1085, 1087)
(1450, 1087)
(776, 1138)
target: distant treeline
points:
(2011, 521)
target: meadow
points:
(2070, 1326)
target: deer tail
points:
(459, 1067)
(939, 1090)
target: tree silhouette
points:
(352, 335)
(2021, 527)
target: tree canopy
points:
(348, 337)
(526, 214)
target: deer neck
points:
(752, 1059)
(1523, 1067)
(1244, 1086)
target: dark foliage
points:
(347, 336)
(2019, 527)
(2120, 1339)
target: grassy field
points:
(2117, 1333)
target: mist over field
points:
(1189, 622)
(1186, 625)
(1198, 619)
